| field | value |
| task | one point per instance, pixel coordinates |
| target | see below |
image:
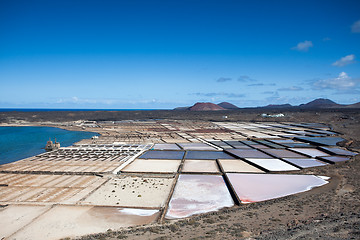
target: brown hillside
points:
(207, 106)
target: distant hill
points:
(320, 103)
(227, 105)
(181, 108)
(355, 105)
(277, 106)
(205, 106)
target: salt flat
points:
(131, 191)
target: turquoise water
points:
(21, 142)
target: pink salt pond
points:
(261, 187)
(196, 194)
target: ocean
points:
(68, 109)
(21, 142)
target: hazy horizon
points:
(164, 54)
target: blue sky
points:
(146, 54)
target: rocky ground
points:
(328, 212)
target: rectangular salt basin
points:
(163, 154)
(335, 159)
(73, 221)
(221, 144)
(272, 165)
(338, 151)
(196, 146)
(305, 162)
(152, 165)
(166, 146)
(230, 165)
(283, 153)
(195, 194)
(15, 217)
(311, 152)
(261, 187)
(245, 153)
(259, 146)
(132, 192)
(296, 145)
(200, 166)
(207, 155)
(237, 144)
(281, 141)
(327, 141)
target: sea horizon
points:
(70, 109)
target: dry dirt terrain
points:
(328, 212)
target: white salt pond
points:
(13, 218)
(238, 166)
(305, 162)
(196, 146)
(272, 165)
(196, 194)
(166, 146)
(260, 187)
(311, 152)
(72, 221)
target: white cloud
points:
(342, 82)
(224, 79)
(75, 99)
(293, 88)
(303, 46)
(355, 28)
(245, 78)
(214, 94)
(349, 59)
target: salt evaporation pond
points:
(196, 194)
(305, 162)
(311, 152)
(244, 153)
(238, 166)
(166, 146)
(260, 187)
(200, 166)
(272, 164)
(71, 221)
(327, 141)
(154, 154)
(153, 165)
(207, 155)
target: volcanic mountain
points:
(320, 103)
(205, 106)
(227, 105)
